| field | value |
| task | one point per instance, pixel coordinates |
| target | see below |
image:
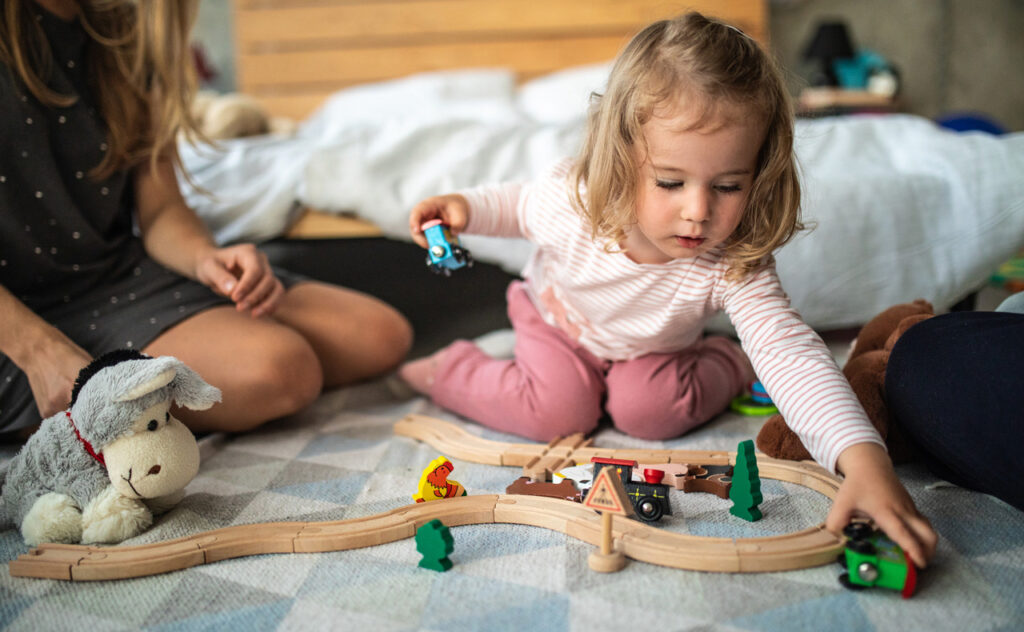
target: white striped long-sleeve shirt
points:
(619, 309)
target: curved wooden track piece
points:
(810, 547)
(454, 441)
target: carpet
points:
(339, 459)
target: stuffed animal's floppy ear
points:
(187, 388)
(191, 391)
(149, 383)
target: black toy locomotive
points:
(649, 497)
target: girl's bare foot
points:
(419, 374)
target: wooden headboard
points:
(291, 54)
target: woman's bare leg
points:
(264, 369)
(354, 336)
(320, 335)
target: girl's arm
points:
(50, 360)
(818, 404)
(797, 369)
(175, 236)
(486, 210)
(871, 488)
(496, 209)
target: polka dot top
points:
(61, 230)
(68, 246)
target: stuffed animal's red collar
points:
(88, 446)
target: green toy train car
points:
(872, 559)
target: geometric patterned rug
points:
(339, 459)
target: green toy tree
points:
(434, 542)
(745, 491)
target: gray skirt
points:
(128, 312)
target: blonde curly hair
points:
(139, 65)
(703, 63)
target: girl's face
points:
(693, 183)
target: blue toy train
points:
(444, 252)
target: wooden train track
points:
(810, 547)
(455, 442)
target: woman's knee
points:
(280, 377)
(290, 368)
(355, 335)
(391, 336)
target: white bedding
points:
(902, 208)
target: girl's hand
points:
(52, 371)
(243, 274)
(872, 489)
(451, 209)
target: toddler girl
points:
(684, 187)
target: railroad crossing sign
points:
(608, 495)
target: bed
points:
(401, 100)
(404, 98)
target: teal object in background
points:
(755, 401)
(853, 72)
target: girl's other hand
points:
(53, 370)
(871, 489)
(243, 274)
(452, 209)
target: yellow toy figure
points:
(434, 483)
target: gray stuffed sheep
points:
(98, 471)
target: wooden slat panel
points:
(298, 102)
(316, 25)
(376, 63)
(293, 53)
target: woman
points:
(98, 250)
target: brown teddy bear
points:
(865, 369)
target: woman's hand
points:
(243, 274)
(451, 209)
(872, 489)
(50, 360)
(175, 236)
(52, 370)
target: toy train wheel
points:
(861, 546)
(858, 530)
(844, 579)
(649, 509)
(867, 572)
(436, 269)
(462, 255)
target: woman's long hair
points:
(140, 72)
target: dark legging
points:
(955, 385)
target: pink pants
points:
(554, 387)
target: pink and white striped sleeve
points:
(493, 209)
(797, 369)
